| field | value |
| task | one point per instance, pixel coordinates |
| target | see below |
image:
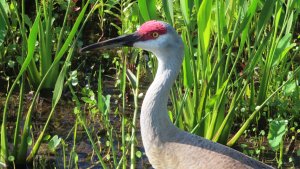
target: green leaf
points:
(46, 138)
(265, 15)
(290, 23)
(223, 25)
(168, 8)
(278, 129)
(132, 78)
(248, 17)
(31, 44)
(204, 25)
(147, 9)
(187, 70)
(75, 157)
(100, 98)
(4, 6)
(152, 9)
(11, 158)
(283, 44)
(11, 63)
(54, 142)
(107, 103)
(138, 154)
(59, 85)
(186, 7)
(214, 99)
(29, 141)
(290, 88)
(3, 23)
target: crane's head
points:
(153, 36)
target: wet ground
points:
(64, 119)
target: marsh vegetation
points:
(239, 83)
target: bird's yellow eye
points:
(155, 35)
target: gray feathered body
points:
(168, 147)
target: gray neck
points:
(155, 122)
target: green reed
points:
(20, 154)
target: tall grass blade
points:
(3, 22)
(31, 46)
(282, 48)
(186, 8)
(123, 87)
(101, 105)
(147, 9)
(169, 12)
(18, 120)
(186, 66)
(264, 17)
(134, 121)
(46, 45)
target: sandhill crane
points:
(166, 146)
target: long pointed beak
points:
(124, 40)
